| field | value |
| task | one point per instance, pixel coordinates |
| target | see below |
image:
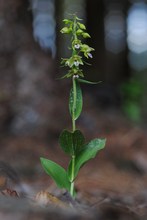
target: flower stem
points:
(74, 28)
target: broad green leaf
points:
(88, 82)
(88, 152)
(75, 101)
(71, 142)
(56, 172)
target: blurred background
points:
(30, 50)
(34, 102)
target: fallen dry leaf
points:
(44, 198)
(9, 192)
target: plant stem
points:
(73, 114)
(72, 176)
(73, 129)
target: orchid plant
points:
(73, 142)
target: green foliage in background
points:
(132, 92)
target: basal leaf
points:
(88, 152)
(56, 172)
(71, 142)
(75, 101)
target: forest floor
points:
(111, 186)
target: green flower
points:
(76, 63)
(86, 50)
(76, 44)
(77, 31)
(75, 60)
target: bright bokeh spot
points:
(114, 25)
(137, 28)
(44, 24)
(137, 35)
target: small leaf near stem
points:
(88, 82)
